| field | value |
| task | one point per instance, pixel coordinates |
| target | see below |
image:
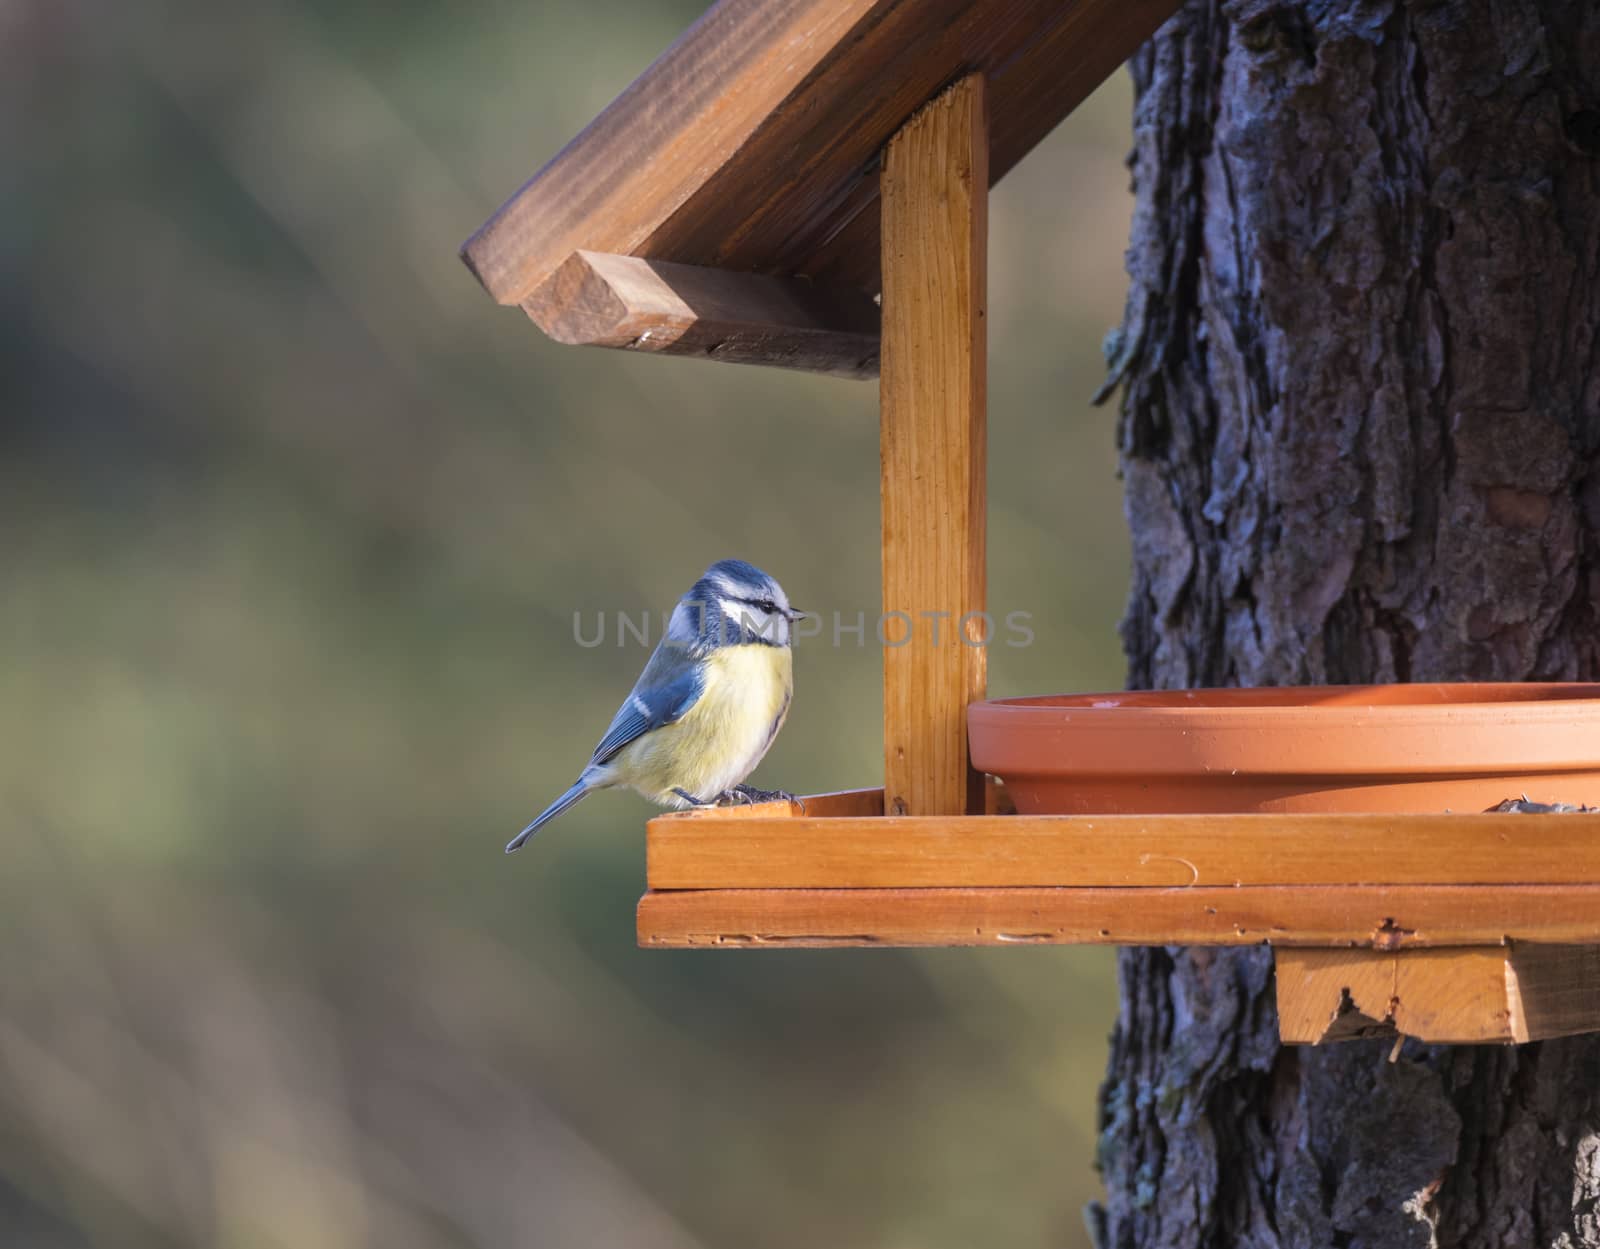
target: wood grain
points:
(601, 300)
(1381, 917)
(933, 450)
(752, 143)
(1455, 996)
(808, 852)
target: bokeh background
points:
(296, 522)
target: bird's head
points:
(734, 604)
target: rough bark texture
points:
(1361, 440)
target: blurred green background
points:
(296, 523)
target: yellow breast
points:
(724, 735)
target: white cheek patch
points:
(742, 616)
(769, 627)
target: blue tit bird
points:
(707, 705)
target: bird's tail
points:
(579, 790)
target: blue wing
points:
(668, 687)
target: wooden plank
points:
(750, 144)
(933, 445)
(855, 804)
(690, 852)
(1382, 917)
(601, 300)
(1446, 996)
(842, 804)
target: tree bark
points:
(1360, 437)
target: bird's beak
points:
(795, 614)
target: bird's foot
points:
(747, 793)
(692, 801)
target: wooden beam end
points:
(595, 299)
(1450, 996)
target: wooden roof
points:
(752, 144)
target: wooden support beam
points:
(601, 300)
(1445, 996)
(933, 432)
(1382, 917)
(812, 852)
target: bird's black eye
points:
(766, 605)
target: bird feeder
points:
(804, 184)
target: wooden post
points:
(933, 432)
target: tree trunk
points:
(1360, 435)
